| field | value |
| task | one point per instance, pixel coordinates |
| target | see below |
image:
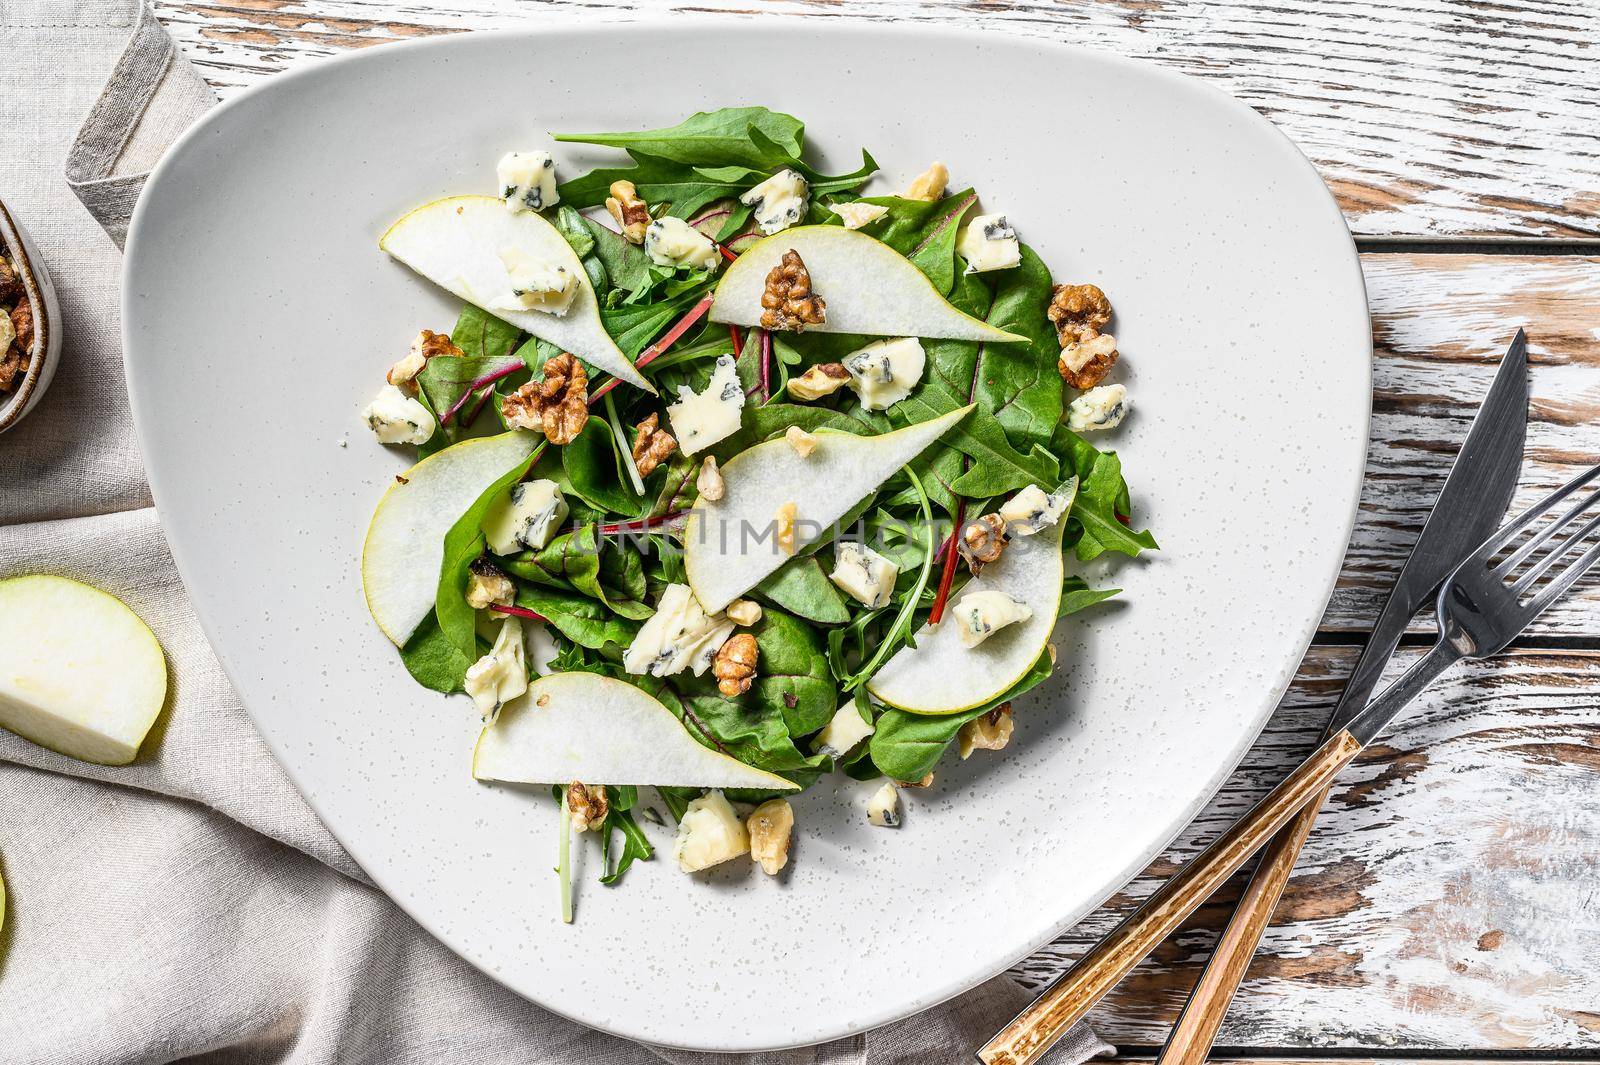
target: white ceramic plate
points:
(260, 317)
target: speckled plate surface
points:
(260, 316)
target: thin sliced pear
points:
(582, 726)
(868, 288)
(79, 672)
(405, 541)
(940, 676)
(730, 546)
(456, 243)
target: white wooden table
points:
(1449, 903)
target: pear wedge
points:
(868, 288)
(79, 672)
(405, 541)
(583, 726)
(940, 676)
(456, 243)
(730, 546)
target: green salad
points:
(732, 474)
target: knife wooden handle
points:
(1196, 1031)
(1069, 999)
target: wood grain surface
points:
(1426, 117)
(1447, 902)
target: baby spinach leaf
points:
(907, 746)
(746, 136)
(574, 560)
(1019, 383)
(800, 587)
(657, 181)
(574, 227)
(774, 418)
(792, 679)
(998, 467)
(477, 332)
(756, 735)
(590, 463)
(462, 544)
(635, 325)
(935, 253)
(433, 661)
(577, 617)
(627, 266)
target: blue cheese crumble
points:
(527, 517)
(700, 419)
(885, 371)
(1099, 408)
(527, 181)
(858, 214)
(980, 615)
(673, 242)
(502, 674)
(536, 285)
(396, 418)
(679, 635)
(778, 202)
(989, 243)
(1032, 510)
(863, 574)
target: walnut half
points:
(588, 805)
(629, 211)
(652, 445)
(1079, 313)
(982, 541)
(735, 665)
(788, 303)
(557, 406)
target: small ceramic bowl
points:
(24, 256)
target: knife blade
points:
(1470, 507)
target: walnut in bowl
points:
(29, 323)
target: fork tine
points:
(1510, 532)
(1516, 558)
(1566, 579)
(1555, 554)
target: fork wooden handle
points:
(1196, 1031)
(1069, 999)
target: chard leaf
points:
(477, 332)
(635, 325)
(445, 378)
(803, 589)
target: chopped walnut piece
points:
(12, 289)
(1084, 365)
(557, 406)
(588, 805)
(930, 184)
(651, 445)
(983, 540)
(630, 212)
(788, 303)
(709, 483)
(735, 665)
(804, 443)
(744, 612)
(770, 826)
(990, 732)
(22, 322)
(824, 379)
(786, 515)
(1079, 312)
(487, 585)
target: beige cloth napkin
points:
(190, 906)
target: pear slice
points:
(79, 672)
(868, 288)
(940, 676)
(730, 546)
(405, 541)
(583, 726)
(457, 242)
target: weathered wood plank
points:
(1440, 324)
(1447, 898)
(1426, 117)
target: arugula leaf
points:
(800, 587)
(635, 325)
(907, 746)
(1100, 492)
(433, 661)
(747, 136)
(998, 467)
(462, 544)
(619, 818)
(1076, 595)
(686, 188)
(477, 332)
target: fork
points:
(1495, 593)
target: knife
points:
(1469, 508)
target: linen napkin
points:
(191, 906)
